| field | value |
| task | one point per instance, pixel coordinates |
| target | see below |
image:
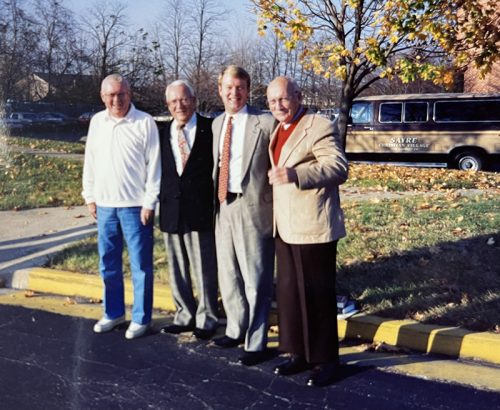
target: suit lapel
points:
(167, 147)
(217, 129)
(298, 134)
(250, 142)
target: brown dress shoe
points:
(293, 365)
(324, 374)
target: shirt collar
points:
(239, 116)
(189, 125)
(295, 118)
(129, 117)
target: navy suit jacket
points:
(186, 201)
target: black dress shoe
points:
(324, 374)
(204, 334)
(293, 365)
(226, 342)
(253, 358)
(176, 329)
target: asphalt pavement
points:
(54, 361)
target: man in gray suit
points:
(243, 227)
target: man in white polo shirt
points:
(121, 182)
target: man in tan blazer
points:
(308, 165)
(243, 224)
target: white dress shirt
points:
(236, 153)
(189, 133)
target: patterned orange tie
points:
(183, 146)
(224, 164)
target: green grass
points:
(45, 145)
(435, 260)
(34, 181)
(398, 179)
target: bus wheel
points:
(469, 161)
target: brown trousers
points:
(307, 306)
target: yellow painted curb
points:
(90, 286)
(450, 341)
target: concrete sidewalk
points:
(29, 237)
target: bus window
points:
(415, 112)
(391, 112)
(362, 112)
(466, 111)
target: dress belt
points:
(232, 196)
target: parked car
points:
(22, 119)
(162, 117)
(56, 118)
(85, 117)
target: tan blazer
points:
(309, 212)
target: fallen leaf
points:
(423, 262)
(69, 301)
(425, 205)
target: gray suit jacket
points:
(257, 193)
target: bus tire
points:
(469, 161)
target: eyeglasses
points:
(116, 95)
(183, 101)
(280, 101)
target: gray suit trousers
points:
(246, 265)
(192, 254)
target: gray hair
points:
(176, 83)
(116, 78)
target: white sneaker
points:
(136, 330)
(105, 324)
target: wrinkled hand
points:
(147, 216)
(92, 207)
(283, 175)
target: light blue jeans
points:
(114, 224)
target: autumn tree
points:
(359, 42)
(173, 37)
(17, 46)
(56, 40)
(106, 28)
(205, 20)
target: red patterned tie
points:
(183, 146)
(224, 163)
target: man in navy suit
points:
(186, 213)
